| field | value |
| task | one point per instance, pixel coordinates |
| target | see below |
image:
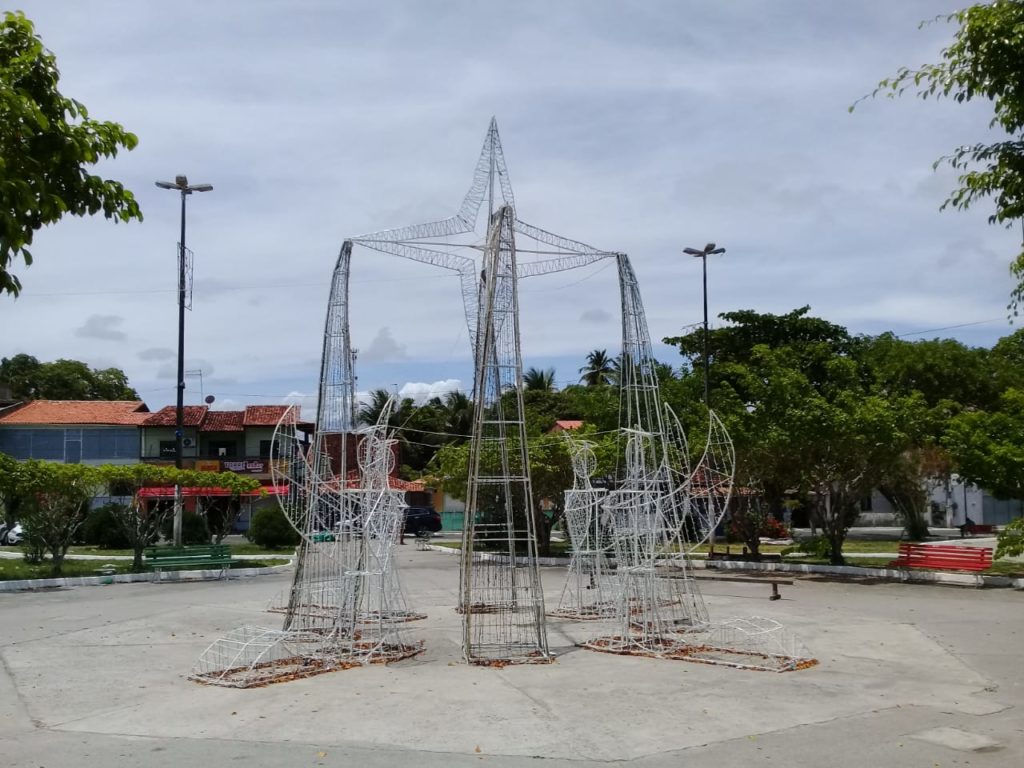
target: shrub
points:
(816, 547)
(193, 529)
(746, 522)
(1011, 539)
(270, 528)
(103, 529)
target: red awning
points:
(167, 492)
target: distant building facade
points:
(73, 431)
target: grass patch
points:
(11, 569)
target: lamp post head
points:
(181, 181)
(707, 250)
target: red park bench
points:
(943, 556)
(973, 529)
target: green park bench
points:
(159, 559)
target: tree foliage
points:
(47, 142)
(54, 503)
(984, 61)
(536, 379)
(53, 500)
(988, 446)
(599, 369)
(29, 379)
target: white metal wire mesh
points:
(590, 591)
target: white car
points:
(11, 536)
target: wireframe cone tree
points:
(650, 508)
(502, 599)
(345, 604)
(659, 512)
(591, 589)
(489, 260)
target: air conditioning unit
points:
(188, 442)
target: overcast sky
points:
(642, 127)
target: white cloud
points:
(420, 391)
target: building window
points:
(222, 448)
(168, 449)
(865, 504)
(265, 446)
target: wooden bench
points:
(740, 580)
(677, 573)
(159, 559)
(943, 556)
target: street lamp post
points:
(708, 250)
(181, 184)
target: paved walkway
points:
(909, 675)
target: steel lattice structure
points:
(660, 510)
(651, 507)
(591, 588)
(346, 604)
(500, 596)
(502, 600)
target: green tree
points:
(536, 379)
(141, 519)
(987, 448)
(599, 369)
(47, 141)
(369, 412)
(984, 61)
(942, 370)
(29, 379)
(458, 416)
(550, 475)
(54, 504)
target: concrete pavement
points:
(909, 675)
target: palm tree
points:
(538, 380)
(600, 369)
(458, 417)
(370, 412)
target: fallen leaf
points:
(477, 748)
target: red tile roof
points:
(223, 421)
(100, 412)
(167, 417)
(566, 425)
(264, 415)
(394, 483)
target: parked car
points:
(11, 536)
(419, 519)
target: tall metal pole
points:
(707, 379)
(179, 417)
(181, 184)
(702, 254)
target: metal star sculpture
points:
(501, 597)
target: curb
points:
(134, 578)
(889, 574)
